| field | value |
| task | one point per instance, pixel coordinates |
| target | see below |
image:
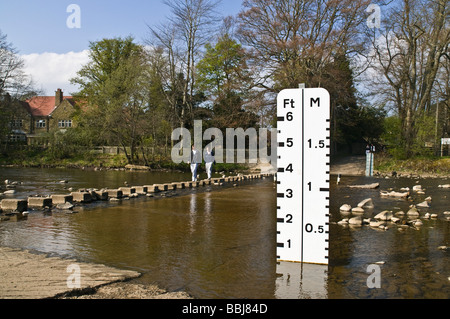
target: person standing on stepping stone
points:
(209, 161)
(195, 161)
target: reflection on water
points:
(301, 281)
(220, 242)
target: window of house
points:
(40, 123)
(64, 123)
(14, 138)
(16, 124)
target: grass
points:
(37, 157)
(439, 166)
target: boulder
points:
(137, 167)
(417, 188)
(416, 223)
(412, 212)
(345, 208)
(384, 215)
(424, 204)
(357, 210)
(394, 194)
(395, 219)
(375, 223)
(355, 221)
(445, 186)
(65, 206)
(367, 203)
(367, 186)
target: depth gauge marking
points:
(303, 126)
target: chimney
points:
(58, 97)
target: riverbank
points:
(387, 166)
(36, 159)
(420, 166)
(28, 275)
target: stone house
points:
(40, 115)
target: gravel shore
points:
(27, 275)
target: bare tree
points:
(293, 40)
(408, 52)
(163, 60)
(181, 39)
(12, 77)
(14, 85)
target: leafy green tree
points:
(224, 76)
(114, 87)
(105, 58)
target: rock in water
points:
(384, 215)
(367, 186)
(424, 204)
(65, 206)
(394, 194)
(355, 221)
(412, 212)
(357, 210)
(375, 223)
(345, 208)
(367, 203)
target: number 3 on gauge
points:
(289, 193)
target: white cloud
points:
(51, 71)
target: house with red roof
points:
(43, 114)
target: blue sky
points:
(53, 52)
(40, 26)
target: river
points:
(220, 242)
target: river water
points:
(220, 242)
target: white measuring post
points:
(303, 170)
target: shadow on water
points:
(221, 243)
